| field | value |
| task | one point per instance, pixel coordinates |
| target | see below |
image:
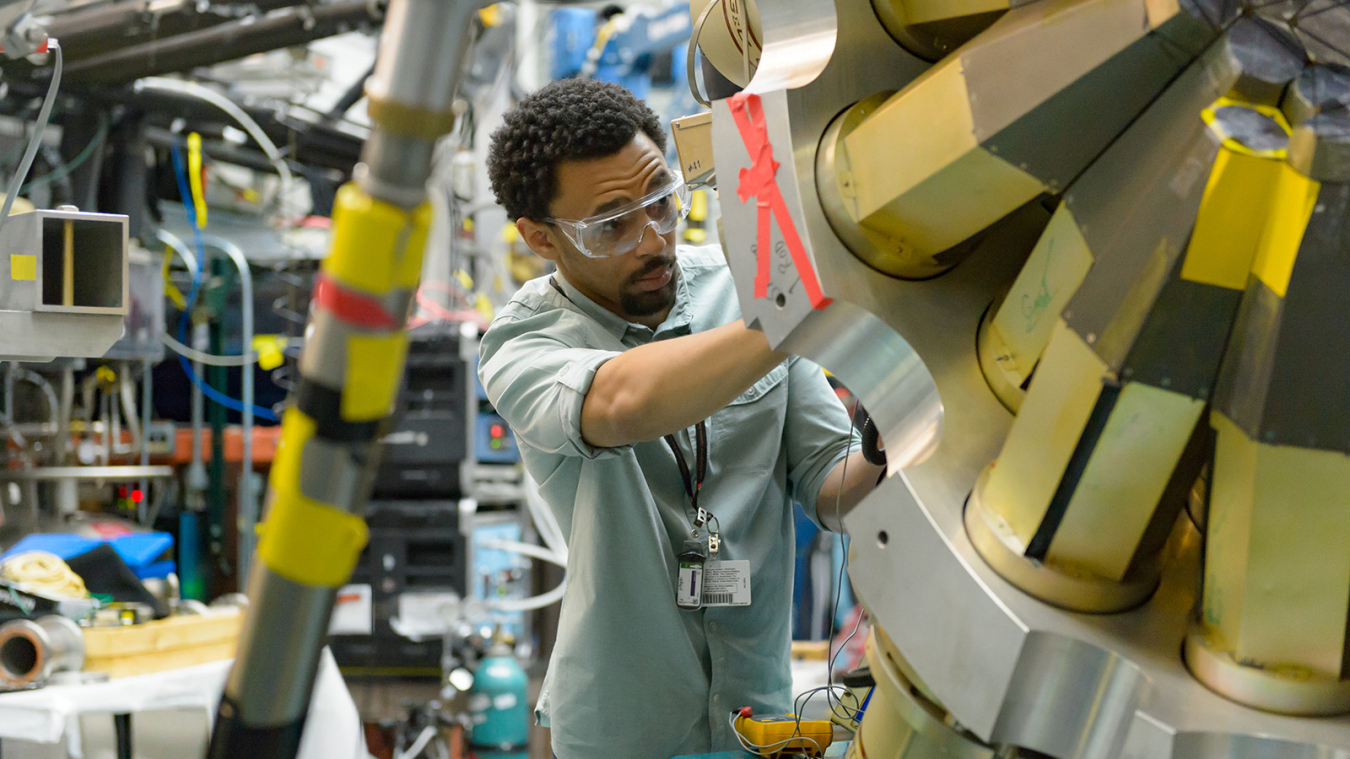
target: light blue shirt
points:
(633, 676)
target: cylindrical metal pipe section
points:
(349, 368)
(32, 650)
(411, 94)
(247, 513)
(89, 31)
(426, 39)
(395, 167)
(226, 42)
(278, 655)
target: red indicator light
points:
(137, 496)
(497, 430)
(121, 491)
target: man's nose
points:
(651, 242)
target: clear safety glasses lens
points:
(620, 231)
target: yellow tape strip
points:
(377, 247)
(1291, 208)
(170, 289)
(374, 368)
(303, 540)
(195, 178)
(409, 120)
(1233, 214)
(22, 268)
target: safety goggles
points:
(617, 232)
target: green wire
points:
(75, 163)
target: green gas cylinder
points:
(499, 707)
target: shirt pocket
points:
(765, 386)
(751, 425)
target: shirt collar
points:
(677, 321)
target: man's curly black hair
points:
(566, 120)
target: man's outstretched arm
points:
(656, 389)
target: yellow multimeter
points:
(778, 734)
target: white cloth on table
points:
(47, 715)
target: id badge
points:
(726, 583)
(689, 585)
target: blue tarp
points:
(139, 550)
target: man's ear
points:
(537, 237)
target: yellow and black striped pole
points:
(350, 372)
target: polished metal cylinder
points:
(424, 40)
(411, 94)
(33, 650)
(395, 167)
(279, 648)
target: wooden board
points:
(141, 664)
(161, 636)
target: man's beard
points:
(647, 302)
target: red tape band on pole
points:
(759, 182)
(351, 307)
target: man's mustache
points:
(652, 267)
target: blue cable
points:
(180, 173)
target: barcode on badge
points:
(718, 598)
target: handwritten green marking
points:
(1034, 307)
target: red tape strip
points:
(350, 306)
(760, 182)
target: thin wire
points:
(234, 404)
(756, 748)
(808, 695)
(255, 131)
(843, 562)
(16, 182)
(838, 702)
(61, 172)
(210, 359)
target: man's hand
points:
(656, 389)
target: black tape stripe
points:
(324, 405)
(1345, 657)
(1073, 473)
(232, 738)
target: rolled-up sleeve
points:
(538, 384)
(817, 433)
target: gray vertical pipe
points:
(146, 396)
(246, 516)
(268, 691)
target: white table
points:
(51, 715)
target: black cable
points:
(350, 97)
(871, 438)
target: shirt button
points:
(717, 697)
(712, 626)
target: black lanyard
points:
(692, 486)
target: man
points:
(629, 342)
